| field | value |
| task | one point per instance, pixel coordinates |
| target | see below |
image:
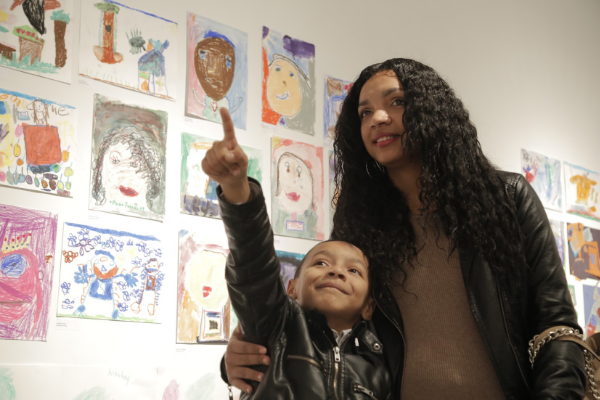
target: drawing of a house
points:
(30, 43)
(151, 69)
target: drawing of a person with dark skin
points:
(214, 63)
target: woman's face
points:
(120, 176)
(295, 184)
(381, 108)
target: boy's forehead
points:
(338, 247)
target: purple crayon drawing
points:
(26, 265)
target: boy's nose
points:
(339, 272)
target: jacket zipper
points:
(508, 336)
(303, 358)
(403, 342)
(337, 359)
(364, 390)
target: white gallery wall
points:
(527, 71)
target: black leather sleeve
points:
(252, 272)
(559, 368)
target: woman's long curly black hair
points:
(458, 184)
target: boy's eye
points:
(320, 263)
(355, 271)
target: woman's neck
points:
(405, 179)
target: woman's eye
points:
(278, 69)
(398, 102)
(134, 163)
(364, 113)
(292, 74)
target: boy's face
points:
(334, 280)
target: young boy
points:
(318, 335)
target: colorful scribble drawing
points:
(297, 189)
(37, 138)
(584, 260)
(288, 82)
(582, 191)
(36, 45)
(591, 307)
(203, 307)
(189, 384)
(335, 92)
(113, 50)
(557, 231)
(77, 382)
(217, 70)
(117, 275)
(128, 159)
(26, 265)
(7, 387)
(198, 191)
(545, 176)
(289, 263)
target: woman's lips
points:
(386, 140)
(206, 291)
(282, 96)
(293, 196)
(129, 192)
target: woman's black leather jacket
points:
(507, 318)
(306, 362)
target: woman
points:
(465, 263)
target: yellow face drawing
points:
(283, 88)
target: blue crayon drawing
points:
(117, 275)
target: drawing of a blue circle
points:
(13, 265)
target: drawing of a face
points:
(283, 87)
(197, 180)
(120, 174)
(104, 266)
(294, 184)
(205, 280)
(214, 62)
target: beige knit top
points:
(445, 355)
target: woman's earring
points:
(381, 167)
(367, 168)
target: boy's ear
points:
(368, 309)
(291, 289)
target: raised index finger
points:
(228, 129)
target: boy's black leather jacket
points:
(508, 318)
(306, 362)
